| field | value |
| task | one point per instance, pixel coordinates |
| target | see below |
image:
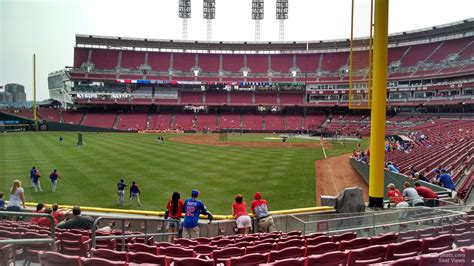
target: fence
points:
(30, 240)
(377, 222)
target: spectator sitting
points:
(431, 198)
(45, 221)
(78, 221)
(39, 209)
(57, 213)
(2, 202)
(411, 195)
(395, 196)
(392, 168)
(419, 176)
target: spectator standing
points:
(78, 221)
(54, 179)
(134, 193)
(411, 195)
(259, 208)
(239, 211)
(192, 209)
(173, 214)
(431, 198)
(39, 209)
(121, 191)
(395, 195)
(17, 197)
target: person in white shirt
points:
(17, 197)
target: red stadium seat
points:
(410, 261)
(289, 262)
(53, 258)
(219, 256)
(139, 247)
(345, 236)
(261, 248)
(248, 260)
(7, 254)
(437, 244)
(108, 254)
(289, 252)
(204, 249)
(427, 232)
(464, 239)
(407, 235)
(355, 243)
(405, 249)
(290, 243)
(142, 257)
(384, 239)
(318, 240)
(176, 252)
(222, 242)
(192, 262)
(241, 244)
(322, 248)
(328, 258)
(102, 262)
(368, 255)
(74, 244)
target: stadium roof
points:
(454, 30)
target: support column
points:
(379, 94)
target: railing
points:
(146, 221)
(30, 240)
(373, 223)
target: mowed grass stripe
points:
(89, 174)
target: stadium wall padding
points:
(397, 179)
(54, 126)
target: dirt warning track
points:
(335, 174)
(213, 140)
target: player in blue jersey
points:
(134, 193)
(121, 191)
(192, 209)
(54, 179)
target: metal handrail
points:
(32, 240)
(123, 236)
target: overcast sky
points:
(48, 27)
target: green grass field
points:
(89, 174)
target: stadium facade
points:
(430, 70)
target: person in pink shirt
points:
(239, 211)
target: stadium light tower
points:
(209, 13)
(184, 14)
(281, 15)
(257, 15)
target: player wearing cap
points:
(54, 179)
(134, 193)
(121, 191)
(192, 209)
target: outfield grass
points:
(89, 174)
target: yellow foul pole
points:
(34, 93)
(379, 93)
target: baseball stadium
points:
(351, 151)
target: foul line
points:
(324, 150)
